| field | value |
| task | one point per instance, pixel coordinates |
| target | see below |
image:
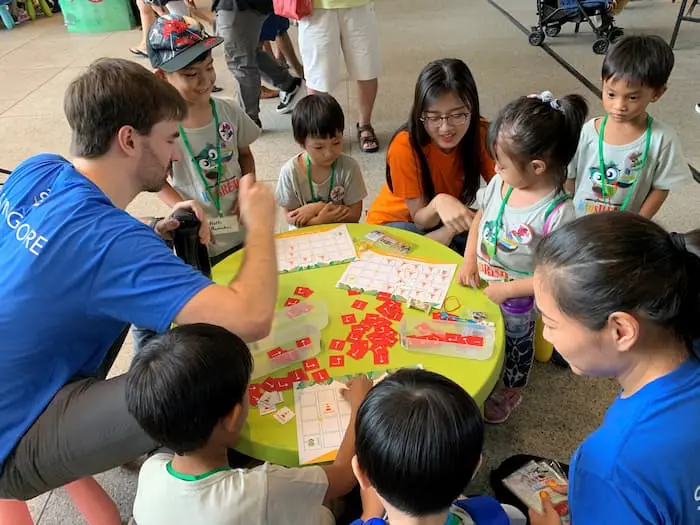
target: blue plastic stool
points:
(5, 15)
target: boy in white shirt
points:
(188, 389)
(626, 160)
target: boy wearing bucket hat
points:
(215, 136)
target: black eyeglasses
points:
(456, 119)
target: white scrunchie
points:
(548, 98)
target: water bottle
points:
(186, 242)
(517, 316)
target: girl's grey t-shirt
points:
(519, 233)
(236, 130)
(293, 186)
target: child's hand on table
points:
(498, 292)
(302, 215)
(468, 274)
(356, 389)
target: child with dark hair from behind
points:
(418, 445)
(188, 389)
(532, 139)
(626, 160)
(320, 185)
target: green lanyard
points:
(311, 183)
(601, 159)
(214, 196)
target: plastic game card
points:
(291, 301)
(381, 357)
(383, 296)
(320, 376)
(303, 291)
(283, 384)
(348, 319)
(357, 352)
(311, 364)
(353, 292)
(359, 305)
(297, 375)
(284, 415)
(336, 360)
(269, 384)
(355, 336)
(303, 343)
(265, 408)
(336, 344)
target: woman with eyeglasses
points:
(435, 162)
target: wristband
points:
(154, 221)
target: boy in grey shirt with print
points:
(321, 185)
(626, 160)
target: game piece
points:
(253, 398)
(353, 292)
(265, 408)
(359, 305)
(383, 296)
(303, 291)
(381, 358)
(357, 352)
(269, 384)
(313, 250)
(361, 345)
(336, 360)
(297, 375)
(336, 344)
(311, 364)
(284, 415)
(283, 384)
(303, 343)
(291, 301)
(355, 336)
(320, 376)
(348, 319)
(275, 352)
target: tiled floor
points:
(37, 60)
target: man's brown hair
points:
(113, 93)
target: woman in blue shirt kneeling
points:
(620, 297)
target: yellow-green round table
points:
(264, 437)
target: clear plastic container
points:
(307, 311)
(284, 347)
(448, 338)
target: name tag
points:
(224, 225)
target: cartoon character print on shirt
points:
(520, 235)
(607, 185)
(337, 194)
(207, 161)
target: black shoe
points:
(289, 99)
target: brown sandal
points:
(368, 142)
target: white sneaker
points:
(697, 108)
(289, 99)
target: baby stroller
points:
(552, 14)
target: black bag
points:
(261, 6)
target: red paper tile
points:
(297, 375)
(363, 345)
(353, 292)
(372, 318)
(383, 296)
(357, 353)
(336, 344)
(291, 301)
(381, 358)
(269, 384)
(396, 315)
(283, 384)
(437, 315)
(348, 319)
(355, 336)
(255, 389)
(474, 340)
(253, 399)
(359, 305)
(275, 352)
(303, 291)
(320, 376)
(303, 343)
(311, 364)
(336, 360)
(298, 309)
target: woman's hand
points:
(453, 213)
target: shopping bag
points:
(293, 9)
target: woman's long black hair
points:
(438, 78)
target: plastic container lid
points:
(448, 338)
(285, 347)
(519, 305)
(305, 312)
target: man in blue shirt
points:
(77, 269)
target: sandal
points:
(368, 142)
(136, 51)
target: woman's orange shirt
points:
(445, 170)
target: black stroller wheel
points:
(552, 31)
(615, 34)
(600, 46)
(536, 37)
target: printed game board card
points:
(403, 279)
(528, 482)
(314, 250)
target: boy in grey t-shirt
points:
(321, 185)
(626, 160)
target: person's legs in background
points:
(148, 16)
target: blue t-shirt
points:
(75, 271)
(643, 464)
